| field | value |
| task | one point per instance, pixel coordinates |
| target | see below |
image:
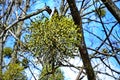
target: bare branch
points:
(23, 18)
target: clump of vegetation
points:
(100, 12)
(25, 62)
(48, 74)
(14, 72)
(7, 51)
(54, 38)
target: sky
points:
(70, 73)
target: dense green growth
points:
(48, 74)
(100, 12)
(14, 72)
(7, 51)
(54, 39)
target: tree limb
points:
(82, 46)
(115, 11)
(25, 17)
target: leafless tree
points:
(85, 13)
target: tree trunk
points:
(115, 11)
(18, 33)
(1, 50)
(82, 46)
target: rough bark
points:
(1, 50)
(115, 11)
(82, 47)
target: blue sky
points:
(93, 27)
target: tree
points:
(1, 51)
(82, 46)
(100, 41)
(14, 72)
(12, 16)
(54, 40)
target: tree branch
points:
(25, 17)
(115, 11)
(82, 46)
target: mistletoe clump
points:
(54, 38)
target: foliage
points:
(105, 51)
(14, 72)
(25, 63)
(100, 12)
(101, 35)
(57, 75)
(7, 51)
(54, 38)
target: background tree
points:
(103, 51)
(13, 13)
